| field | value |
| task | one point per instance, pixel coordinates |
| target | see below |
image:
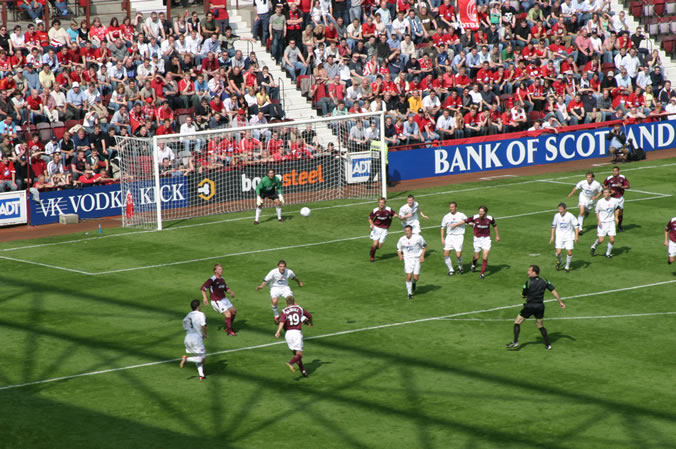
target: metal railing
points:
(282, 92)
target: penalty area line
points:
(596, 317)
(345, 332)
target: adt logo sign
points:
(10, 208)
(359, 168)
(13, 208)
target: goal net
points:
(217, 171)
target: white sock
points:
(200, 369)
(279, 212)
(449, 264)
(409, 287)
(580, 220)
(610, 248)
(595, 244)
(195, 359)
(258, 213)
(569, 259)
(275, 311)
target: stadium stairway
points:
(295, 105)
(668, 64)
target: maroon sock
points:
(373, 251)
(619, 220)
(300, 363)
(295, 359)
(484, 263)
(228, 323)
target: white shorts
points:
(412, 265)
(194, 344)
(564, 244)
(294, 339)
(454, 242)
(415, 225)
(482, 243)
(620, 202)
(605, 229)
(672, 249)
(280, 292)
(587, 204)
(378, 234)
(222, 305)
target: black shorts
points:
(272, 195)
(536, 309)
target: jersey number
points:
(294, 319)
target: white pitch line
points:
(551, 181)
(647, 167)
(333, 334)
(597, 317)
(56, 267)
(489, 178)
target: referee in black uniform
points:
(534, 292)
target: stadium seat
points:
(660, 6)
(58, 129)
(648, 10)
(301, 77)
(651, 25)
(663, 26)
(533, 116)
(636, 9)
(45, 131)
(71, 123)
(668, 45)
(607, 66)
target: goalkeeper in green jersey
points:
(269, 187)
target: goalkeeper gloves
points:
(281, 198)
(259, 201)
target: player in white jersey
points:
(607, 212)
(408, 214)
(455, 236)
(566, 229)
(195, 325)
(278, 278)
(411, 249)
(590, 191)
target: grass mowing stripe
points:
(334, 334)
(133, 232)
(264, 250)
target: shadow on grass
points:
(495, 269)
(426, 288)
(579, 264)
(553, 338)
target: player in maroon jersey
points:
(482, 236)
(380, 220)
(617, 184)
(670, 240)
(219, 302)
(292, 319)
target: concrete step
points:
(147, 6)
(107, 7)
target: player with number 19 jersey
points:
(293, 318)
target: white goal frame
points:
(205, 135)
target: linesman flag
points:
(468, 16)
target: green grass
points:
(447, 383)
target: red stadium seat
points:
(668, 45)
(607, 66)
(45, 131)
(636, 9)
(533, 116)
(660, 6)
(58, 129)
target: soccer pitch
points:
(92, 336)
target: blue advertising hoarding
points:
(104, 201)
(523, 152)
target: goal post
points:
(216, 171)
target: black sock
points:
(474, 261)
(517, 329)
(543, 331)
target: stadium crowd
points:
(70, 89)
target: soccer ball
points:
(305, 212)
